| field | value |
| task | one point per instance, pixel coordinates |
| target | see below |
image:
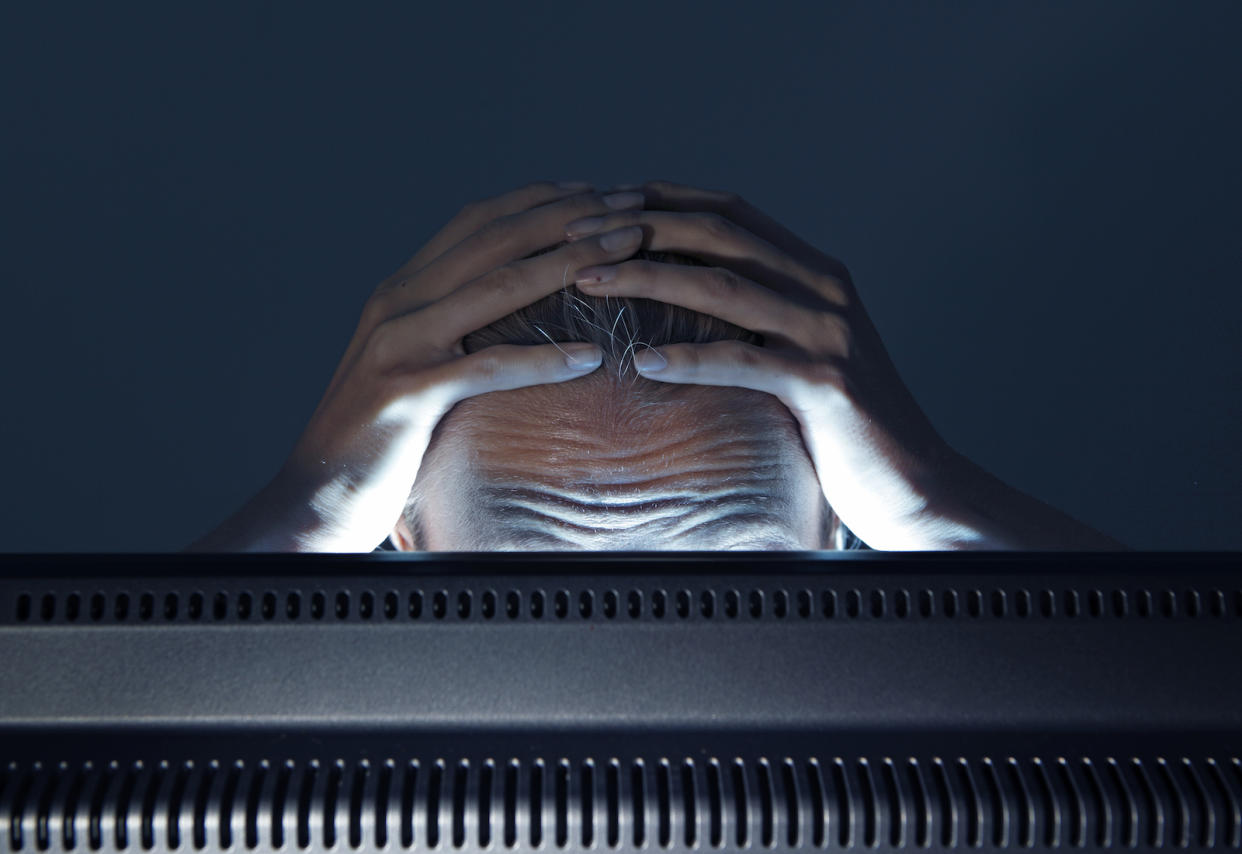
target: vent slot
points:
(486, 773)
(409, 783)
(613, 794)
(435, 777)
(741, 813)
(562, 803)
(689, 804)
(145, 794)
(253, 801)
(663, 796)
(461, 779)
(766, 830)
(588, 803)
(637, 803)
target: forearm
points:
(275, 519)
(973, 509)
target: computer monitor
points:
(620, 701)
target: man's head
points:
(613, 461)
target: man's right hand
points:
(347, 480)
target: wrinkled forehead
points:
(724, 468)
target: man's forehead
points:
(697, 476)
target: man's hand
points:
(883, 468)
(348, 478)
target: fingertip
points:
(583, 357)
(650, 361)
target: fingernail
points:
(580, 357)
(621, 238)
(576, 185)
(624, 201)
(650, 361)
(596, 275)
(586, 225)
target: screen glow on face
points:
(580, 468)
(743, 503)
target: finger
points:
(717, 291)
(497, 243)
(508, 366)
(721, 242)
(475, 214)
(517, 284)
(727, 363)
(670, 196)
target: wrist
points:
(973, 509)
(280, 517)
(936, 488)
(960, 502)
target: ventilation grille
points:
(787, 803)
(656, 603)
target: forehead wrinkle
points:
(643, 501)
(589, 472)
(508, 500)
(569, 450)
(527, 540)
(590, 409)
(705, 444)
(744, 522)
(585, 482)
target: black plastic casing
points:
(620, 701)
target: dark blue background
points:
(1039, 203)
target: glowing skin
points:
(530, 470)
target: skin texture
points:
(572, 468)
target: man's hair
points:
(621, 326)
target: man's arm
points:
(973, 509)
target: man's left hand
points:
(882, 466)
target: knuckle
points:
(382, 348)
(376, 310)
(835, 281)
(748, 357)
(643, 276)
(715, 226)
(638, 272)
(505, 281)
(836, 333)
(487, 367)
(722, 282)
